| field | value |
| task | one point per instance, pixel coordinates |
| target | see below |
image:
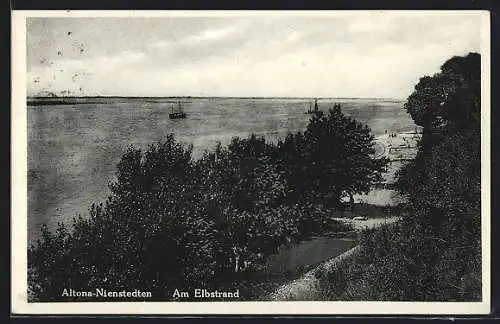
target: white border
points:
(19, 194)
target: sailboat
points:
(310, 111)
(176, 113)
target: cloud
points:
(209, 35)
(84, 76)
(344, 55)
(370, 23)
(160, 44)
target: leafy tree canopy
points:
(450, 96)
(332, 158)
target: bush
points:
(173, 222)
(165, 206)
(124, 242)
(434, 254)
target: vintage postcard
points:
(250, 162)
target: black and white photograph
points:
(236, 161)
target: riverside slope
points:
(307, 287)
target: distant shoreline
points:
(64, 100)
(202, 97)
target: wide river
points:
(73, 147)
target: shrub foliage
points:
(434, 253)
(172, 221)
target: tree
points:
(443, 183)
(246, 173)
(156, 212)
(434, 252)
(451, 96)
(205, 217)
(332, 159)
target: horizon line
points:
(200, 97)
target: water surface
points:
(73, 146)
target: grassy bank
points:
(434, 252)
(380, 271)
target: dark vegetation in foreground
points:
(175, 222)
(434, 253)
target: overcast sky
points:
(342, 55)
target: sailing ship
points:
(176, 112)
(310, 111)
